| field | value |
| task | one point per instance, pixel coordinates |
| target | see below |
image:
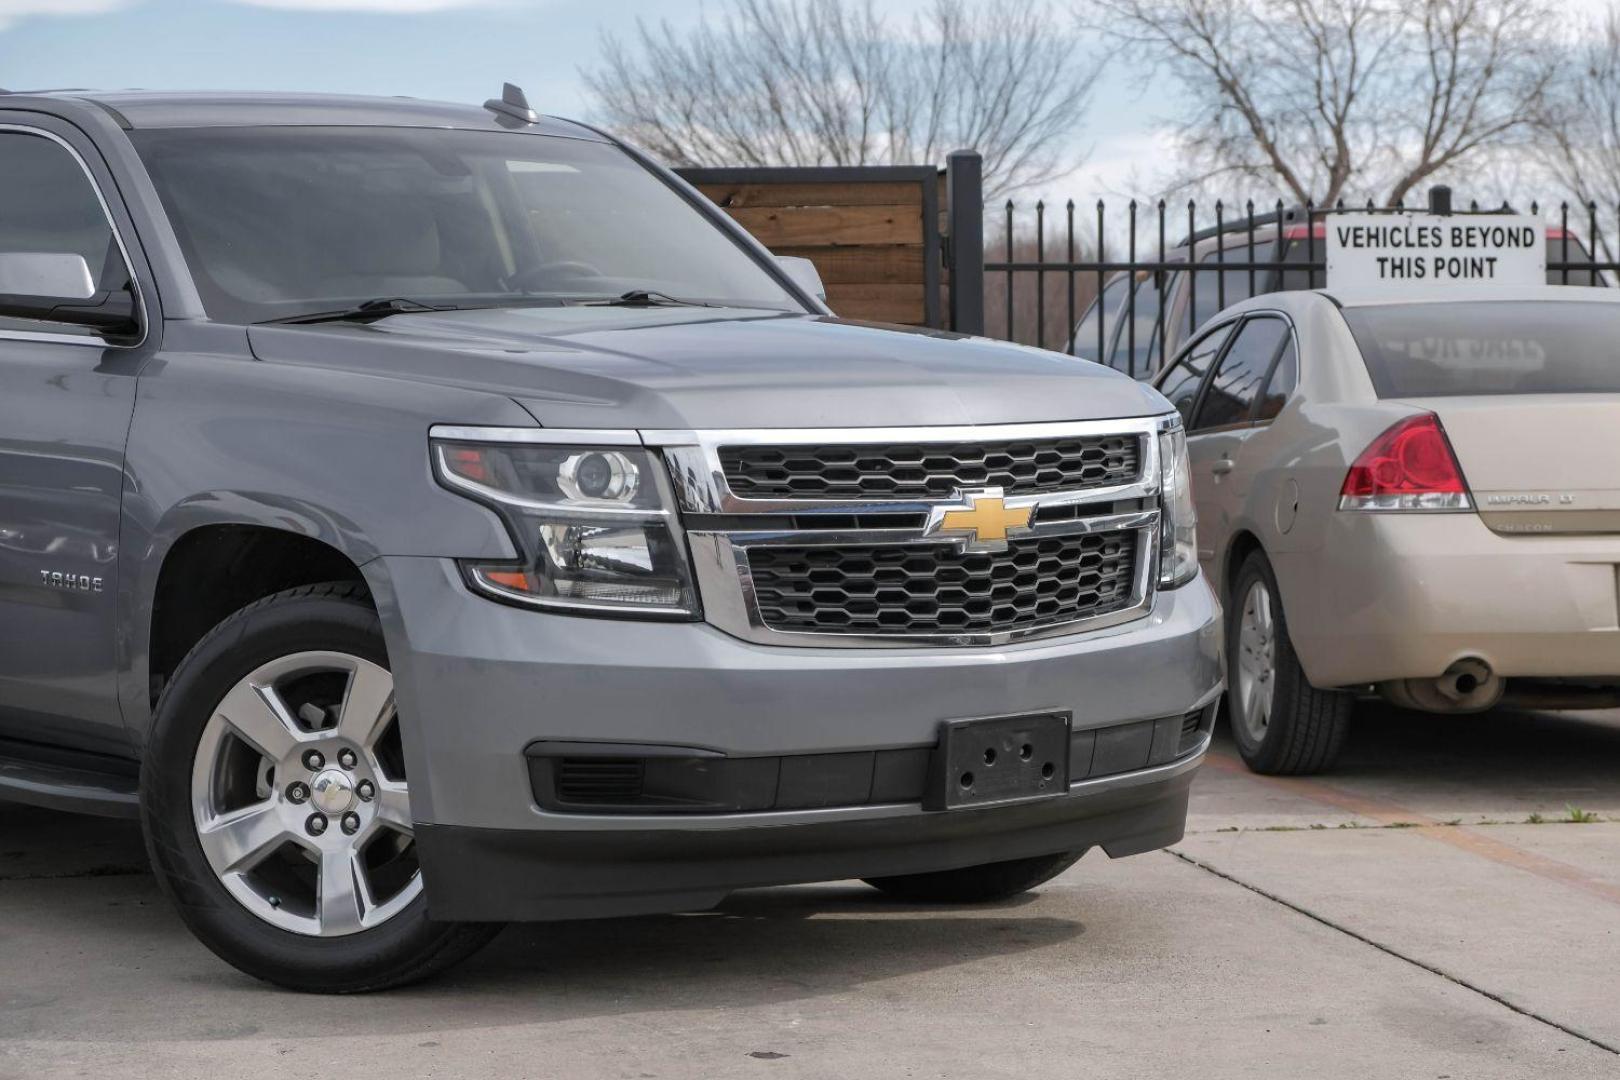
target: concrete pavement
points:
(1398, 918)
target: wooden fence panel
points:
(873, 232)
(789, 193)
(862, 265)
(831, 226)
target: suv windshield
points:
(1523, 347)
(280, 222)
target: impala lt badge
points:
(1531, 498)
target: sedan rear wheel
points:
(1254, 681)
(1281, 723)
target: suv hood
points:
(596, 367)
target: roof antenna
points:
(514, 103)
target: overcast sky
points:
(456, 50)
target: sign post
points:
(1411, 250)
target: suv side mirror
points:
(37, 273)
(58, 287)
(804, 275)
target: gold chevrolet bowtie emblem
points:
(983, 518)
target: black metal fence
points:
(1161, 272)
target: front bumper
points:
(1399, 596)
(528, 874)
(477, 683)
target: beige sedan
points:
(1415, 496)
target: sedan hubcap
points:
(299, 796)
(1256, 682)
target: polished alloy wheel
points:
(1256, 662)
(299, 796)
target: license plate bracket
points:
(999, 760)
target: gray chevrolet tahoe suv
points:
(424, 516)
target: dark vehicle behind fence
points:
(1149, 298)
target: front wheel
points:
(1281, 723)
(276, 804)
(976, 884)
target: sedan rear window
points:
(1516, 347)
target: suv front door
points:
(67, 393)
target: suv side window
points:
(48, 205)
(1298, 252)
(1564, 249)
(1180, 384)
(1215, 290)
(1084, 343)
(1284, 377)
(1232, 392)
(1143, 322)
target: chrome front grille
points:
(921, 470)
(935, 589)
(903, 537)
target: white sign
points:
(1403, 250)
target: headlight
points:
(591, 523)
(1178, 543)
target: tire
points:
(1292, 729)
(981, 884)
(338, 911)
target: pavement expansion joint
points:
(1397, 954)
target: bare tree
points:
(1341, 98)
(1579, 136)
(833, 82)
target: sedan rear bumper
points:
(1404, 596)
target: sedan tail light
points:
(1411, 466)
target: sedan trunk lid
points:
(1537, 464)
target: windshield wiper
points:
(369, 311)
(646, 298)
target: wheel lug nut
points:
(297, 791)
(314, 759)
(316, 825)
(347, 759)
(351, 823)
(366, 790)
